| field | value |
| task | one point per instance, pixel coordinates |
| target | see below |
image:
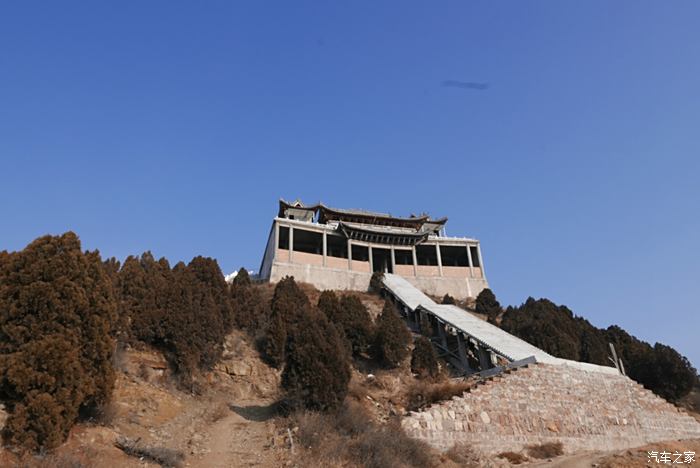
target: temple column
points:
(349, 255)
(415, 261)
(325, 243)
(277, 238)
(439, 258)
(371, 263)
(481, 261)
(393, 260)
(291, 243)
(471, 263)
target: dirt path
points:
(579, 460)
(242, 438)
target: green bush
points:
(57, 316)
(392, 337)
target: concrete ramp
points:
(502, 342)
(469, 328)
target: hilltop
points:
(146, 364)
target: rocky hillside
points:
(548, 404)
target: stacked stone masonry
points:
(547, 403)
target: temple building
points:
(340, 249)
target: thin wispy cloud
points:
(465, 85)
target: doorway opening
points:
(381, 260)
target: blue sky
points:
(176, 126)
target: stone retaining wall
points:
(546, 403)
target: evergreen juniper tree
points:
(424, 360)
(57, 315)
(392, 337)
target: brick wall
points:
(544, 403)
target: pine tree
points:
(356, 323)
(242, 278)
(329, 305)
(249, 311)
(316, 372)
(288, 305)
(276, 341)
(424, 360)
(376, 282)
(487, 304)
(57, 315)
(144, 285)
(214, 316)
(447, 299)
(392, 337)
(426, 329)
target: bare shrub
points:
(120, 359)
(163, 456)
(422, 394)
(352, 419)
(53, 460)
(382, 446)
(218, 413)
(146, 372)
(357, 390)
(546, 450)
(103, 415)
(312, 427)
(513, 457)
(463, 456)
(349, 437)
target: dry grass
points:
(691, 403)
(513, 458)
(54, 460)
(163, 456)
(219, 412)
(546, 450)
(357, 390)
(106, 414)
(350, 437)
(639, 457)
(422, 394)
(463, 456)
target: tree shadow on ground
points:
(256, 412)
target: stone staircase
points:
(542, 403)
